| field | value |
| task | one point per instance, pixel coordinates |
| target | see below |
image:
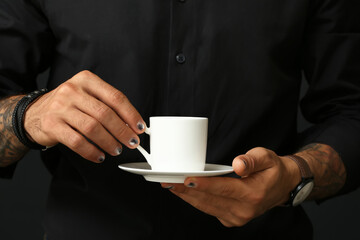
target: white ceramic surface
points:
(144, 169)
(177, 144)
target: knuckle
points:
(67, 88)
(90, 126)
(267, 153)
(263, 152)
(241, 217)
(236, 212)
(122, 131)
(240, 223)
(74, 141)
(129, 110)
(201, 206)
(227, 224)
(82, 76)
(118, 97)
(85, 74)
(257, 198)
(245, 219)
(55, 105)
(271, 154)
(102, 112)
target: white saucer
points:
(144, 169)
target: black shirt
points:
(237, 62)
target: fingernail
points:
(118, 151)
(169, 187)
(140, 126)
(101, 158)
(133, 142)
(191, 185)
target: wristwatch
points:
(304, 188)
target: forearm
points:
(11, 149)
(327, 167)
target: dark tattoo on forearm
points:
(11, 149)
(327, 167)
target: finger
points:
(93, 130)
(113, 98)
(76, 142)
(235, 212)
(255, 160)
(220, 186)
(178, 186)
(109, 119)
(213, 205)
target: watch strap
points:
(303, 166)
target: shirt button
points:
(180, 58)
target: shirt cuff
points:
(343, 135)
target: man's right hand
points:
(85, 107)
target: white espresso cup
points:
(177, 144)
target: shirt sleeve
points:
(332, 68)
(26, 49)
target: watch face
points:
(303, 193)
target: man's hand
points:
(266, 182)
(81, 109)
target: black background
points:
(23, 201)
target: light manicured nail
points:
(140, 126)
(133, 142)
(169, 187)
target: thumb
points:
(255, 160)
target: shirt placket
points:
(180, 85)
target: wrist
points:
(307, 157)
(32, 119)
(292, 178)
(303, 189)
(18, 119)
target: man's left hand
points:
(266, 182)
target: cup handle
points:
(143, 151)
